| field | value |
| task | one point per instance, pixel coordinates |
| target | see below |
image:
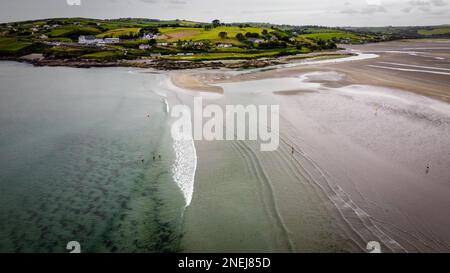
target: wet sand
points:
(363, 133)
(435, 54)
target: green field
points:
(227, 56)
(116, 33)
(331, 35)
(12, 45)
(199, 34)
(436, 31)
(108, 55)
(66, 31)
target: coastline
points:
(170, 65)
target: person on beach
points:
(159, 156)
(293, 150)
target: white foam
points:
(185, 167)
(185, 164)
(167, 106)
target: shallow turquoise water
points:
(71, 148)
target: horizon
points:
(349, 13)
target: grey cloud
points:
(369, 9)
(439, 3)
(349, 11)
(178, 2)
(425, 5)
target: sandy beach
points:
(372, 150)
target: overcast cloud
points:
(296, 12)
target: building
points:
(256, 41)
(100, 42)
(149, 36)
(43, 36)
(89, 40)
(112, 40)
(162, 44)
(224, 45)
(345, 41)
(144, 46)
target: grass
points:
(436, 31)
(66, 31)
(222, 56)
(13, 45)
(199, 34)
(107, 55)
(116, 33)
(330, 35)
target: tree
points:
(152, 42)
(265, 32)
(216, 23)
(223, 35)
(252, 35)
(240, 37)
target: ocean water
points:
(86, 155)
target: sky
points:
(294, 12)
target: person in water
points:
(428, 169)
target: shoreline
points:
(171, 65)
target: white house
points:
(162, 44)
(144, 46)
(256, 41)
(100, 42)
(90, 40)
(43, 36)
(112, 40)
(224, 45)
(149, 36)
